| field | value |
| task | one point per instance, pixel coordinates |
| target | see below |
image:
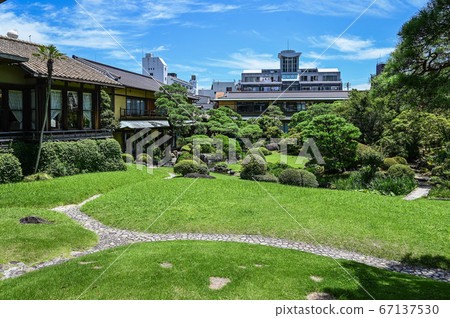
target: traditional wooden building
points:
(74, 110)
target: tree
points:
(369, 114)
(314, 110)
(418, 73)
(50, 54)
(336, 140)
(224, 121)
(183, 117)
(107, 120)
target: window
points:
(135, 107)
(16, 107)
(330, 78)
(72, 109)
(229, 89)
(87, 110)
(303, 78)
(56, 109)
(314, 78)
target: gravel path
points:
(112, 237)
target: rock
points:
(319, 296)
(166, 265)
(33, 220)
(316, 278)
(218, 282)
(198, 175)
(272, 147)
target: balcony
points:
(138, 113)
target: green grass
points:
(293, 161)
(285, 274)
(412, 231)
(32, 243)
(70, 190)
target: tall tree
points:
(418, 73)
(50, 54)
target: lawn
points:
(412, 231)
(293, 161)
(283, 274)
(32, 243)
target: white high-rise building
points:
(155, 67)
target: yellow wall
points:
(120, 98)
(14, 75)
(228, 103)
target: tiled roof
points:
(126, 78)
(289, 95)
(68, 69)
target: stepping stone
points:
(97, 267)
(258, 265)
(216, 283)
(242, 267)
(319, 296)
(316, 279)
(166, 265)
(84, 263)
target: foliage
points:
(393, 185)
(400, 171)
(388, 162)
(251, 168)
(302, 118)
(401, 160)
(264, 151)
(336, 140)
(221, 165)
(184, 156)
(266, 178)
(367, 156)
(224, 121)
(190, 166)
(187, 148)
(230, 144)
(37, 177)
(273, 132)
(143, 157)
(172, 102)
(107, 118)
(292, 143)
(83, 156)
(315, 169)
(10, 169)
(127, 158)
(417, 74)
(26, 153)
(277, 168)
(296, 177)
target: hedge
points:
(400, 171)
(185, 167)
(301, 178)
(10, 170)
(84, 156)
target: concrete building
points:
(290, 77)
(219, 87)
(157, 68)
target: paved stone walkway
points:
(417, 193)
(112, 237)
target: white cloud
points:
(247, 59)
(159, 49)
(361, 87)
(351, 47)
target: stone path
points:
(417, 193)
(112, 237)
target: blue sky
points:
(216, 39)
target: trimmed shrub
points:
(26, 153)
(252, 168)
(184, 156)
(388, 162)
(10, 170)
(314, 168)
(37, 177)
(265, 151)
(126, 157)
(293, 143)
(190, 166)
(266, 178)
(399, 171)
(221, 165)
(203, 169)
(401, 160)
(277, 168)
(143, 157)
(226, 145)
(301, 178)
(367, 156)
(187, 148)
(255, 152)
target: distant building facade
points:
(157, 68)
(219, 87)
(290, 77)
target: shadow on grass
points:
(384, 285)
(427, 260)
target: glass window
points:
(87, 110)
(16, 107)
(72, 109)
(56, 109)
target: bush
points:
(26, 153)
(252, 168)
(265, 151)
(401, 160)
(10, 170)
(37, 177)
(266, 178)
(388, 162)
(143, 157)
(190, 166)
(256, 152)
(187, 148)
(277, 168)
(367, 156)
(83, 156)
(221, 165)
(393, 185)
(399, 171)
(315, 169)
(226, 145)
(126, 157)
(293, 143)
(301, 178)
(353, 182)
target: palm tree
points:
(50, 54)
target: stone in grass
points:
(198, 175)
(216, 283)
(258, 265)
(33, 220)
(166, 265)
(319, 296)
(316, 278)
(243, 267)
(85, 263)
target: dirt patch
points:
(319, 296)
(216, 283)
(166, 265)
(316, 278)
